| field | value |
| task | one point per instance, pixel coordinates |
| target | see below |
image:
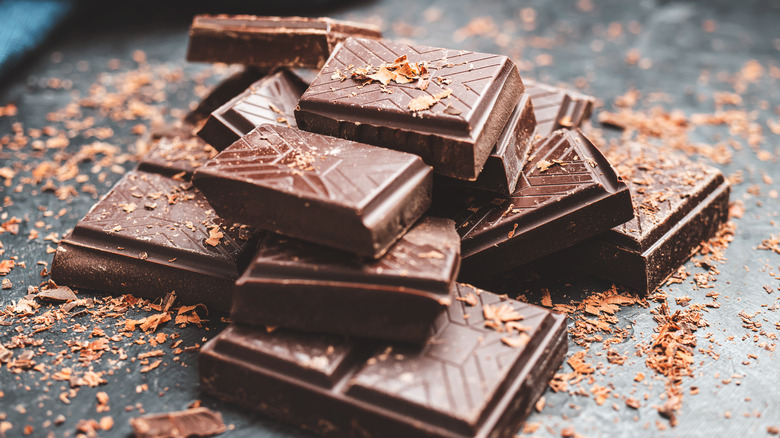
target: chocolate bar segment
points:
(272, 100)
(321, 189)
(223, 92)
(470, 380)
(151, 235)
(557, 107)
(447, 106)
(309, 287)
(270, 41)
(567, 193)
(677, 205)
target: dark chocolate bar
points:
(447, 106)
(270, 41)
(309, 287)
(488, 360)
(557, 107)
(677, 205)
(567, 193)
(272, 99)
(506, 161)
(223, 92)
(321, 189)
(151, 235)
(176, 155)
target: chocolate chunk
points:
(321, 189)
(506, 161)
(557, 107)
(177, 154)
(151, 235)
(568, 193)
(223, 92)
(309, 287)
(677, 204)
(478, 376)
(61, 294)
(269, 100)
(447, 106)
(180, 424)
(270, 41)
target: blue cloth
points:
(25, 24)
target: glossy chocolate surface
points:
(321, 189)
(567, 193)
(677, 204)
(176, 155)
(309, 287)
(272, 100)
(474, 94)
(470, 380)
(270, 41)
(223, 92)
(150, 229)
(557, 107)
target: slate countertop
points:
(678, 54)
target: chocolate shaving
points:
(191, 422)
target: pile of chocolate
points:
(333, 220)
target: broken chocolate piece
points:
(309, 287)
(151, 230)
(677, 205)
(567, 193)
(269, 100)
(449, 107)
(478, 376)
(223, 92)
(173, 155)
(200, 422)
(270, 41)
(557, 107)
(321, 189)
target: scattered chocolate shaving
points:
(191, 422)
(61, 294)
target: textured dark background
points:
(674, 41)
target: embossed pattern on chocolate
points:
(321, 189)
(272, 100)
(470, 96)
(557, 107)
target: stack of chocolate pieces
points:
(334, 221)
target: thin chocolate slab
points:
(505, 163)
(272, 100)
(447, 106)
(470, 380)
(321, 189)
(304, 286)
(223, 92)
(677, 204)
(557, 107)
(176, 155)
(567, 193)
(270, 41)
(151, 235)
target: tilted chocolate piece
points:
(309, 287)
(269, 100)
(506, 161)
(487, 362)
(447, 106)
(176, 156)
(677, 205)
(270, 41)
(568, 192)
(223, 92)
(151, 235)
(321, 189)
(199, 422)
(557, 107)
